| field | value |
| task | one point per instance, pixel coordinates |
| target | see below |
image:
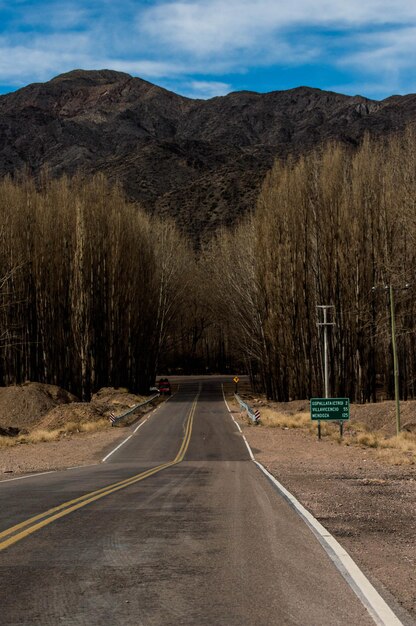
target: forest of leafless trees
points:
(334, 228)
(94, 292)
(90, 285)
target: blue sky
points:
(211, 47)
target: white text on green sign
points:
(330, 409)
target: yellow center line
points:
(37, 522)
(185, 443)
(86, 496)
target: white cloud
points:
(386, 60)
(46, 62)
(234, 36)
(212, 27)
(386, 50)
(40, 58)
(182, 39)
(377, 89)
(62, 16)
(205, 89)
(142, 68)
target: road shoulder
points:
(367, 506)
(73, 450)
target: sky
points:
(207, 48)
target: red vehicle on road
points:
(164, 387)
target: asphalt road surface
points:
(178, 526)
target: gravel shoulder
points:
(76, 449)
(369, 506)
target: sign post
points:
(330, 410)
(236, 380)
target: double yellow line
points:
(18, 532)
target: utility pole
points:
(324, 321)
(395, 359)
(390, 289)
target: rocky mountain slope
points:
(200, 161)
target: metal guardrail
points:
(116, 418)
(254, 415)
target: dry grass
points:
(395, 457)
(93, 427)
(368, 440)
(41, 434)
(7, 441)
(276, 419)
(394, 450)
(406, 442)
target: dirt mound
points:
(107, 400)
(74, 413)
(23, 406)
(381, 416)
(409, 427)
(34, 405)
(117, 400)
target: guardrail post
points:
(254, 415)
(116, 418)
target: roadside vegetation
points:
(71, 428)
(366, 429)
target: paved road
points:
(204, 539)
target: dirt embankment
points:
(53, 430)
(35, 405)
(24, 406)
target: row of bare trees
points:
(336, 227)
(91, 286)
(94, 292)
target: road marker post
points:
(236, 381)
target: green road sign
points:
(330, 409)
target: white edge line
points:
(8, 480)
(226, 403)
(135, 430)
(116, 448)
(374, 603)
(249, 449)
(141, 423)
(379, 610)
(238, 426)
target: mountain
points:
(199, 161)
